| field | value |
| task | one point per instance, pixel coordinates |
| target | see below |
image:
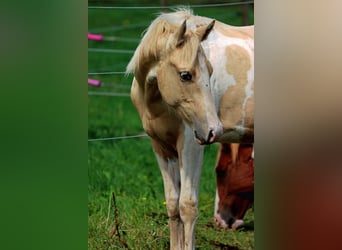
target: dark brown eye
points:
(185, 76)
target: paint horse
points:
(235, 184)
(193, 85)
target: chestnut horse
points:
(235, 184)
(193, 85)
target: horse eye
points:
(185, 76)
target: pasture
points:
(126, 204)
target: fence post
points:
(163, 5)
(245, 14)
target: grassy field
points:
(125, 192)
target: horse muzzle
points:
(210, 137)
(231, 223)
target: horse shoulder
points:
(165, 132)
(159, 122)
(230, 50)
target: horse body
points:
(181, 89)
(230, 51)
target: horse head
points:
(183, 78)
(235, 184)
(170, 62)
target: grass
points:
(126, 204)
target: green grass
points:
(126, 169)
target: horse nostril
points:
(211, 136)
(201, 140)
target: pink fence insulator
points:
(95, 37)
(94, 82)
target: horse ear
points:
(204, 31)
(180, 34)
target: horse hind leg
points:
(171, 178)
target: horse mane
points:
(157, 37)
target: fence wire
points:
(170, 7)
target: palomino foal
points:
(193, 85)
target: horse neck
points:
(154, 101)
(230, 50)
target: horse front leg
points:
(191, 159)
(170, 172)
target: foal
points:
(193, 85)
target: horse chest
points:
(165, 128)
